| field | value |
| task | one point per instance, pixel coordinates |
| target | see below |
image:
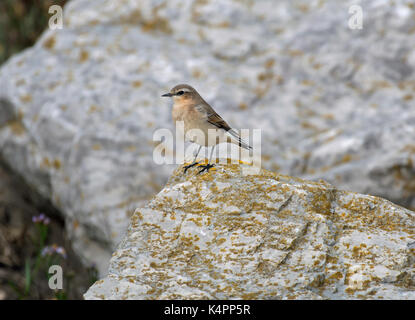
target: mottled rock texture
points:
(226, 235)
(78, 110)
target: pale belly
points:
(200, 132)
(205, 135)
(197, 129)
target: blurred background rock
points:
(21, 23)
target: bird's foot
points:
(206, 167)
(189, 166)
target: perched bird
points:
(196, 113)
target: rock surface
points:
(226, 235)
(78, 110)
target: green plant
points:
(44, 257)
(21, 23)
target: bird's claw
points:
(189, 166)
(206, 167)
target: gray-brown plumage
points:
(196, 113)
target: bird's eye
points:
(179, 93)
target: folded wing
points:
(213, 118)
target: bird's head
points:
(182, 93)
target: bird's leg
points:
(194, 161)
(208, 166)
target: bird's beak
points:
(167, 95)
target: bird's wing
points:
(241, 142)
(213, 118)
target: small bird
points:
(196, 113)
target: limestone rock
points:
(79, 109)
(227, 235)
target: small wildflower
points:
(50, 250)
(41, 218)
(46, 251)
(61, 251)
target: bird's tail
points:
(239, 142)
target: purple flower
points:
(46, 251)
(61, 251)
(50, 250)
(41, 218)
